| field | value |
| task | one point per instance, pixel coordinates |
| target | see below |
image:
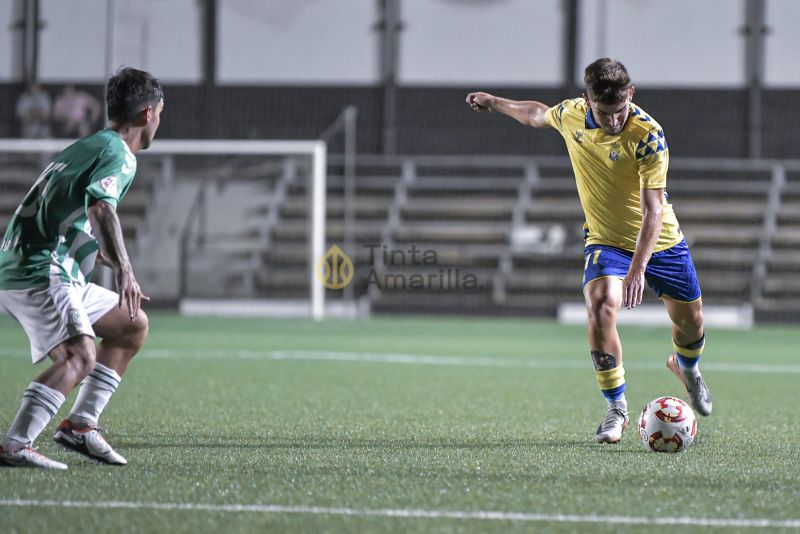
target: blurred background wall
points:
(721, 76)
(286, 68)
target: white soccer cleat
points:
(28, 457)
(613, 426)
(88, 441)
(696, 389)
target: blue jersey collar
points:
(590, 122)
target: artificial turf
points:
(332, 421)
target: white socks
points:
(39, 404)
(96, 390)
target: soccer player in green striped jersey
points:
(66, 223)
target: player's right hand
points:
(632, 289)
(480, 101)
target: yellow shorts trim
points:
(601, 277)
(665, 296)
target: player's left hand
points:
(130, 294)
(632, 290)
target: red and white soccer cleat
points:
(28, 457)
(88, 441)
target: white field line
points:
(421, 359)
(490, 361)
(476, 361)
(409, 513)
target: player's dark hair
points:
(129, 91)
(607, 81)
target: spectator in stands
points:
(33, 112)
(76, 112)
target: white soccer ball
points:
(667, 424)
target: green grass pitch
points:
(399, 424)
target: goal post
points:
(315, 149)
(319, 193)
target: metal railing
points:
(197, 217)
(346, 124)
(768, 229)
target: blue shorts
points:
(669, 272)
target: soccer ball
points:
(667, 424)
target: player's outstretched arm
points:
(107, 229)
(528, 112)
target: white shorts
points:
(54, 314)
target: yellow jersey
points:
(610, 170)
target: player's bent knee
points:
(140, 327)
(134, 333)
(697, 324)
(691, 321)
(602, 313)
(698, 319)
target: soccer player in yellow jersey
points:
(619, 156)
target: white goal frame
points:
(316, 149)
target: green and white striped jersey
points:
(49, 239)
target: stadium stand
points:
(516, 227)
(779, 300)
(512, 223)
(283, 273)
